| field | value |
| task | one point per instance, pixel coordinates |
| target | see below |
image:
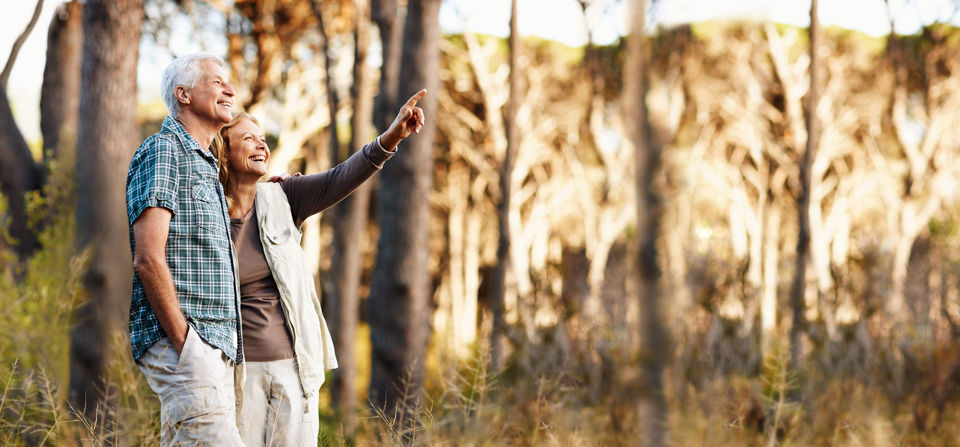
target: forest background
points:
(718, 233)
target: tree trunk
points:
(652, 412)
(498, 340)
(771, 261)
(107, 137)
(349, 220)
(19, 173)
(386, 14)
(333, 98)
(799, 285)
(60, 94)
(398, 307)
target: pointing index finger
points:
(416, 97)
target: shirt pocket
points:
(207, 207)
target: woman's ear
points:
(183, 96)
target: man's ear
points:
(183, 96)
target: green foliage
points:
(38, 305)
(39, 298)
(777, 382)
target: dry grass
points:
(544, 396)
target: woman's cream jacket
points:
(280, 237)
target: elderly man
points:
(184, 315)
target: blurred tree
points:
(652, 414)
(60, 92)
(799, 284)
(399, 304)
(466, 189)
(349, 220)
(274, 51)
(18, 44)
(605, 213)
(498, 340)
(275, 26)
(389, 19)
(333, 97)
(924, 118)
(19, 173)
(106, 137)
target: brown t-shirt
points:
(265, 334)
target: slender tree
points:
(799, 285)
(18, 44)
(387, 15)
(19, 173)
(333, 97)
(398, 307)
(498, 284)
(60, 93)
(106, 139)
(349, 220)
(652, 412)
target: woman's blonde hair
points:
(221, 145)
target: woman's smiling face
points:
(248, 153)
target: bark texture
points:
(387, 15)
(19, 173)
(652, 412)
(399, 303)
(799, 285)
(106, 139)
(60, 93)
(498, 339)
(349, 220)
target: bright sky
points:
(559, 20)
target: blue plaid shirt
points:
(171, 170)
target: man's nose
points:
(228, 89)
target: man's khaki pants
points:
(274, 411)
(196, 389)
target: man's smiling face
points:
(211, 99)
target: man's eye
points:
(247, 138)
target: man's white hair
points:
(185, 71)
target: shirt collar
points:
(186, 140)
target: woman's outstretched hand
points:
(409, 119)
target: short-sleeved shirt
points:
(171, 170)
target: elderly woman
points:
(286, 344)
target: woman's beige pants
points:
(274, 411)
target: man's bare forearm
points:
(162, 295)
(150, 232)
